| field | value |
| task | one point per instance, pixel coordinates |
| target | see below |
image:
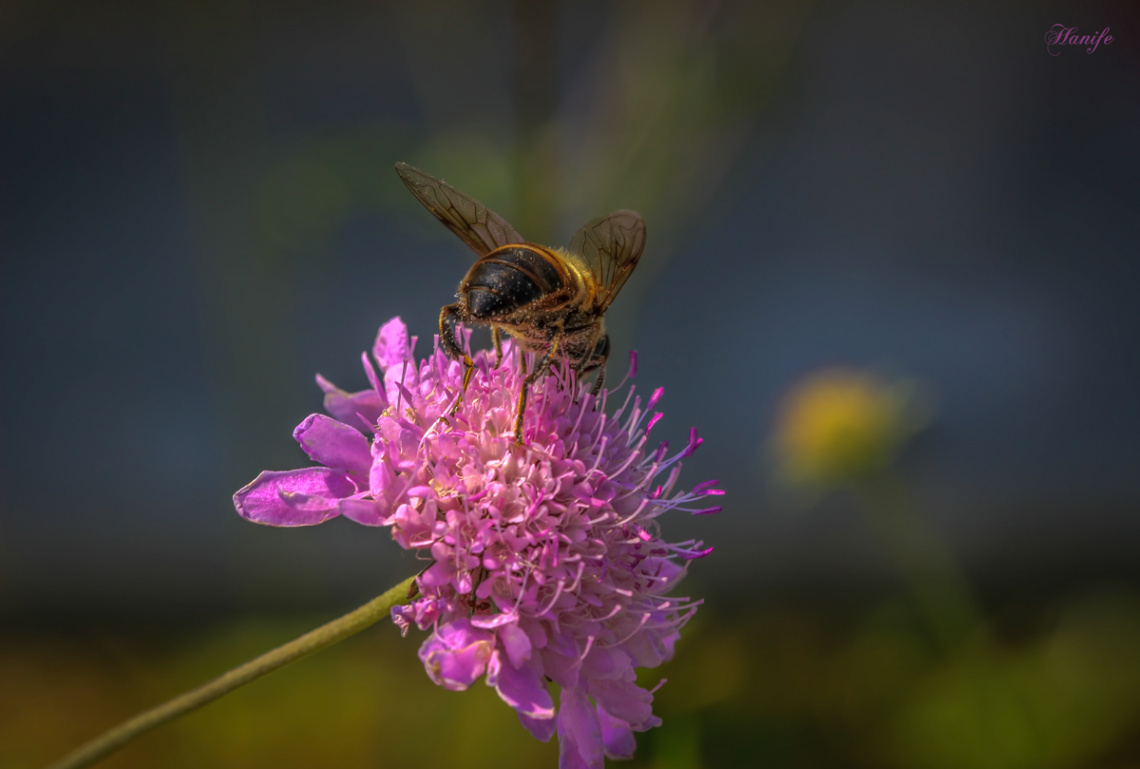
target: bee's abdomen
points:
(509, 279)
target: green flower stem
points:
(315, 640)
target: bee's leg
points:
(522, 396)
(497, 340)
(597, 388)
(599, 348)
(447, 318)
(474, 601)
(601, 354)
(540, 369)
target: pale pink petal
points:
(293, 497)
(360, 410)
(457, 654)
(542, 729)
(523, 688)
(335, 444)
(625, 700)
(579, 734)
(516, 643)
(562, 669)
(366, 512)
(617, 737)
(392, 347)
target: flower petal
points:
(392, 347)
(559, 665)
(335, 444)
(648, 650)
(579, 734)
(360, 410)
(542, 729)
(516, 643)
(617, 737)
(456, 654)
(625, 700)
(512, 638)
(523, 688)
(293, 497)
(363, 511)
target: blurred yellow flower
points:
(840, 425)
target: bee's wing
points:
(610, 246)
(480, 228)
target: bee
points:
(551, 300)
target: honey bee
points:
(551, 300)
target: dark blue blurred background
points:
(198, 213)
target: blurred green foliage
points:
(777, 688)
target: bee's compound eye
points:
(499, 285)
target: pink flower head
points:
(547, 564)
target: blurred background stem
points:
(536, 93)
(936, 582)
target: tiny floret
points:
(546, 562)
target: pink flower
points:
(547, 564)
